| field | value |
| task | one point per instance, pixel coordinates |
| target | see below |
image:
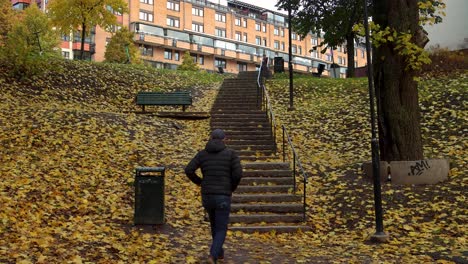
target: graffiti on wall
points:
(418, 168)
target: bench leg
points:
(183, 108)
(143, 108)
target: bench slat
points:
(160, 98)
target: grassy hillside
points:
(70, 142)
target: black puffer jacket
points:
(220, 167)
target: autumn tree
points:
(83, 15)
(188, 63)
(30, 43)
(334, 17)
(7, 18)
(121, 48)
(399, 41)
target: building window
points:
(245, 37)
(146, 16)
(257, 26)
(237, 21)
(294, 36)
(282, 46)
(282, 32)
(294, 49)
(66, 37)
(197, 11)
(173, 22)
(66, 54)
(362, 53)
(258, 40)
(168, 54)
(241, 66)
(244, 22)
(201, 59)
(176, 55)
(314, 54)
(299, 50)
(146, 51)
(220, 17)
(173, 6)
(314, 41)
(220, 32)
(276, 44)
(149, 2)
(276, 31)
(264, 42)
(220, 63)
(197, 27)
(328, 57)
(264, 27)
(238, 36)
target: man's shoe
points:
(211, 260)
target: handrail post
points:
(305, 195)
(294, 170)
(284, 147)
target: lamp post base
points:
(291, 108)
(380, 237)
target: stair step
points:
(260, 131)
(268, 207)
(270, 228)
(258, 153)
(267, 173)
(264, 189)
(266, 218)
(249, 158)
(250, 198)
(267, 180)
(265, 165)
(215, 111)
(252, 147)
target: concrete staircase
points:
(264, 200)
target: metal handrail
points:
(269, 110)
(297, 161)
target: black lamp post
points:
(380, 235)
(291, 84)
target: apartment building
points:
(233, 36)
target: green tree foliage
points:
(83, 15)
(30, 43)
(188, 64)
(7, 18)
(121, 48)
(334, 17)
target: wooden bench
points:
(182, 98)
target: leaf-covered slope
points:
(331, 130)
(69, 149)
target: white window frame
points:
(174, 6)
(220, 17)
(197, 11)
(173, 22)
(146, 16)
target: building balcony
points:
(201, 49)
(224, 53)
(150, 39)
(77, 46)
(245, 57)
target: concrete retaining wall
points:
(430, 171)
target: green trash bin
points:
(149, 195)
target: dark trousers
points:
(218, 208)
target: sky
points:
(452, 33)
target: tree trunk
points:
(83, 35)
(396, 91)
(350, 49)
